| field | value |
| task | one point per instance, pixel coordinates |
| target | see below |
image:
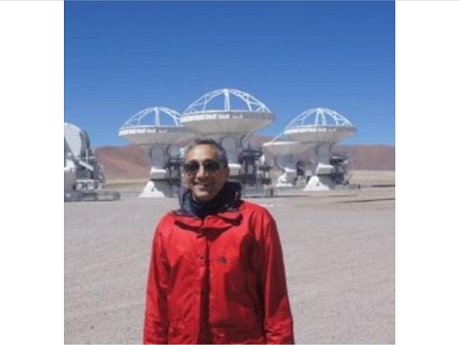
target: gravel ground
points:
(339, 250)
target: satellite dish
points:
(319, 125)
(227, 112)
(77, 139)
(155, 126)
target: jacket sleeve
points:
(278, 322)
(156, 310)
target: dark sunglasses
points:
(209, 166)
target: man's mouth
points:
(203, 184)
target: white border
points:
(31, 230)
(427, 215)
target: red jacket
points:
(218, 280)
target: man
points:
(216, 273)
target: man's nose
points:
(201, 171)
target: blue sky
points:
(122, 57)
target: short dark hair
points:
(221, 153)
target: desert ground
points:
(339, 251)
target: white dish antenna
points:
(156, 125)
(319, 125)
(285, 147)
(77, 139)
(286, 152)
(227, 111)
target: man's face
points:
(204, 182)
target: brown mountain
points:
(369, 157)
(130, 162)
(124, 162)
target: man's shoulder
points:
(174, 216)
(167, 218)
(253, 207)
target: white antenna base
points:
(158, 189)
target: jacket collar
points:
(219, 221)
(223, 210)
(226, 200)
